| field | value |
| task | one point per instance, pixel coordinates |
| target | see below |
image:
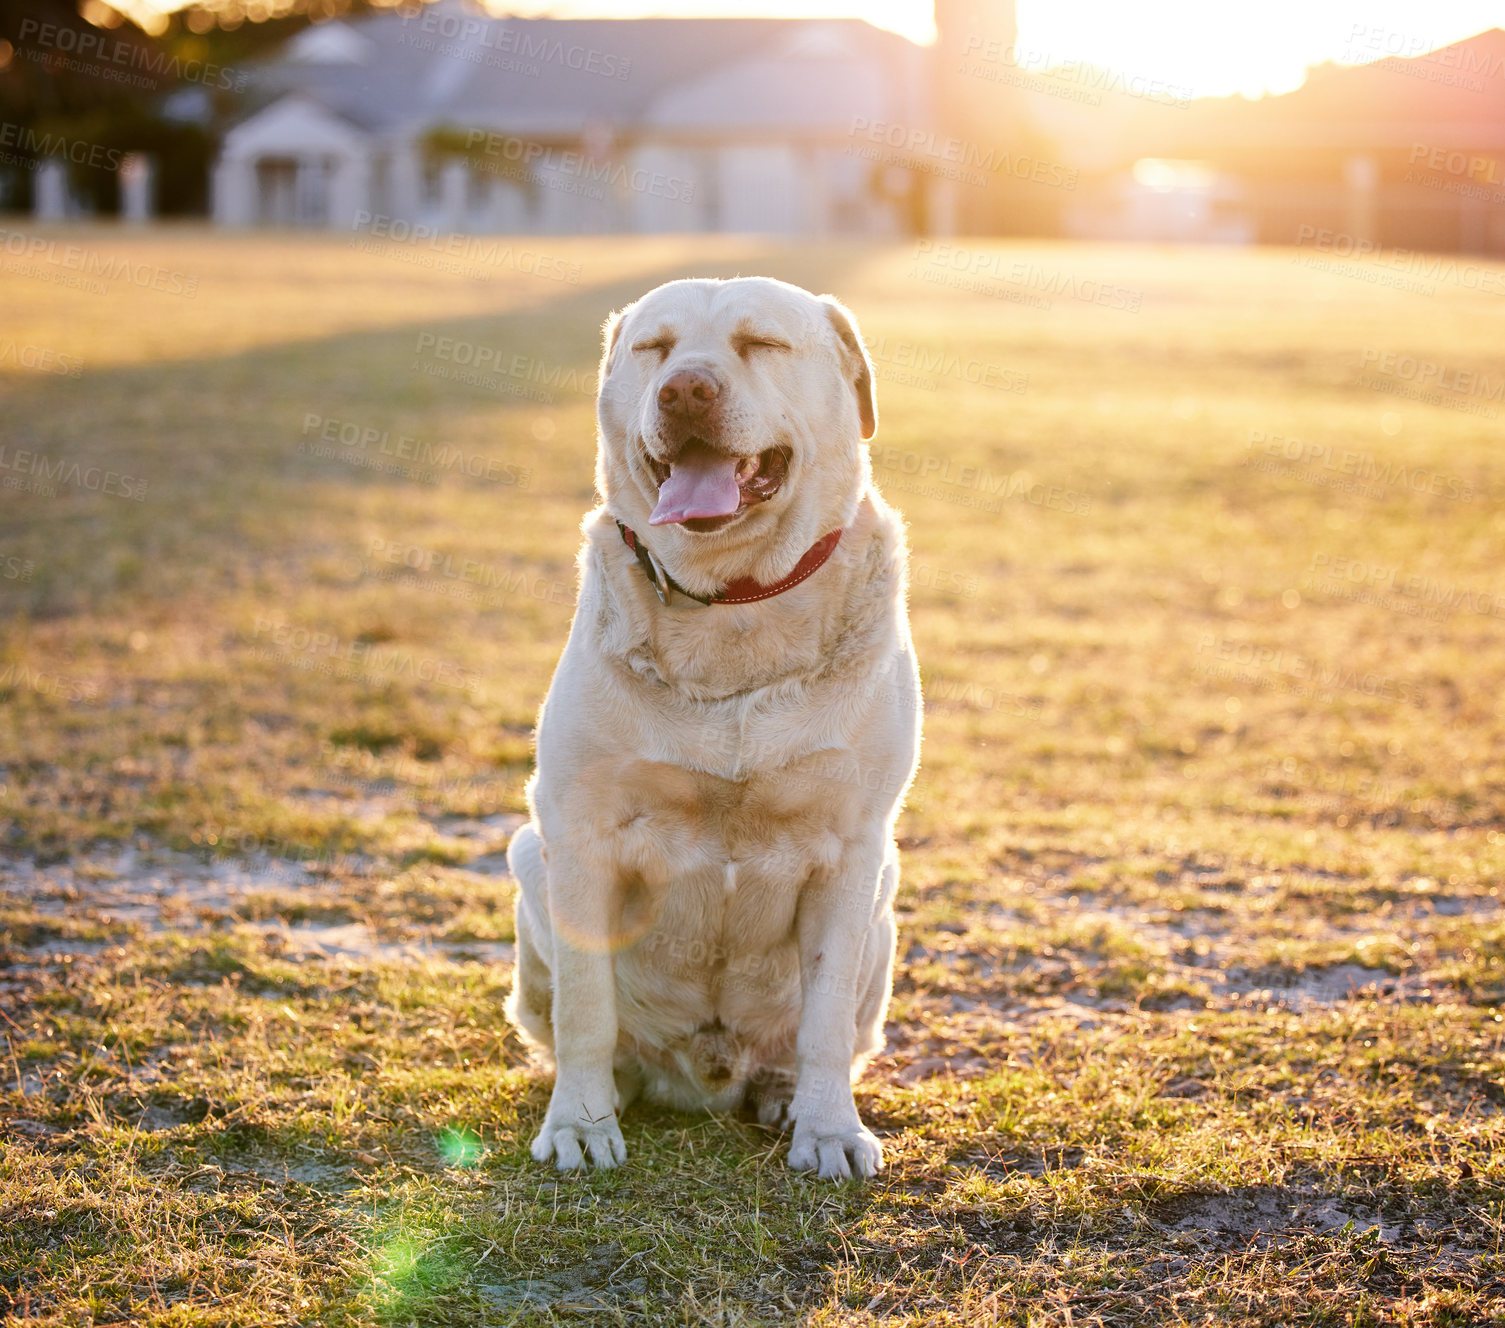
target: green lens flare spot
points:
(397, 1261)
(459, 1147)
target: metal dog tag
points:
(669, 595)
(656, 574)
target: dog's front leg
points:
(834, 926)
(582, 1119)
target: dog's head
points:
(732, 419)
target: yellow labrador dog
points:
(705, 902)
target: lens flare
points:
(459, 1147)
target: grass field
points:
(1198, 1016)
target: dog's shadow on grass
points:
(448, 1220)
(704, 1211)
(223, 470)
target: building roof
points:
(451, 65)
(1452, 96)
(813, 79)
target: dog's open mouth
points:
(704, 489)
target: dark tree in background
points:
(81, 83)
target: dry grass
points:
(1198, 1019)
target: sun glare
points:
(1204, 49)
(910, 17)
(1214, 50)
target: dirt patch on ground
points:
(303, 909)
(1267, 1212)
(596, 1283)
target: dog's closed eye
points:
(749, 343)
(663, 345)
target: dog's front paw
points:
(570, 1142)
(837, 1154)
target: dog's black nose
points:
(688, 393)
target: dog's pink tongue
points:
(701, 483)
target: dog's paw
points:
(838, 1155)
(570, 1142)
(776, 1108)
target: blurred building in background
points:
(448, 119)
(443, 118)
(1399, 153)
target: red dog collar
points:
(744, 590)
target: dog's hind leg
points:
(627, 1075)
(876, 983)
(771, 1093)
(531, 1001)
(872, 1002)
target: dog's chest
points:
(750, 839)
(709, 875)
(726, 650)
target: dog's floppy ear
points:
(610, 332)
(861, 366)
